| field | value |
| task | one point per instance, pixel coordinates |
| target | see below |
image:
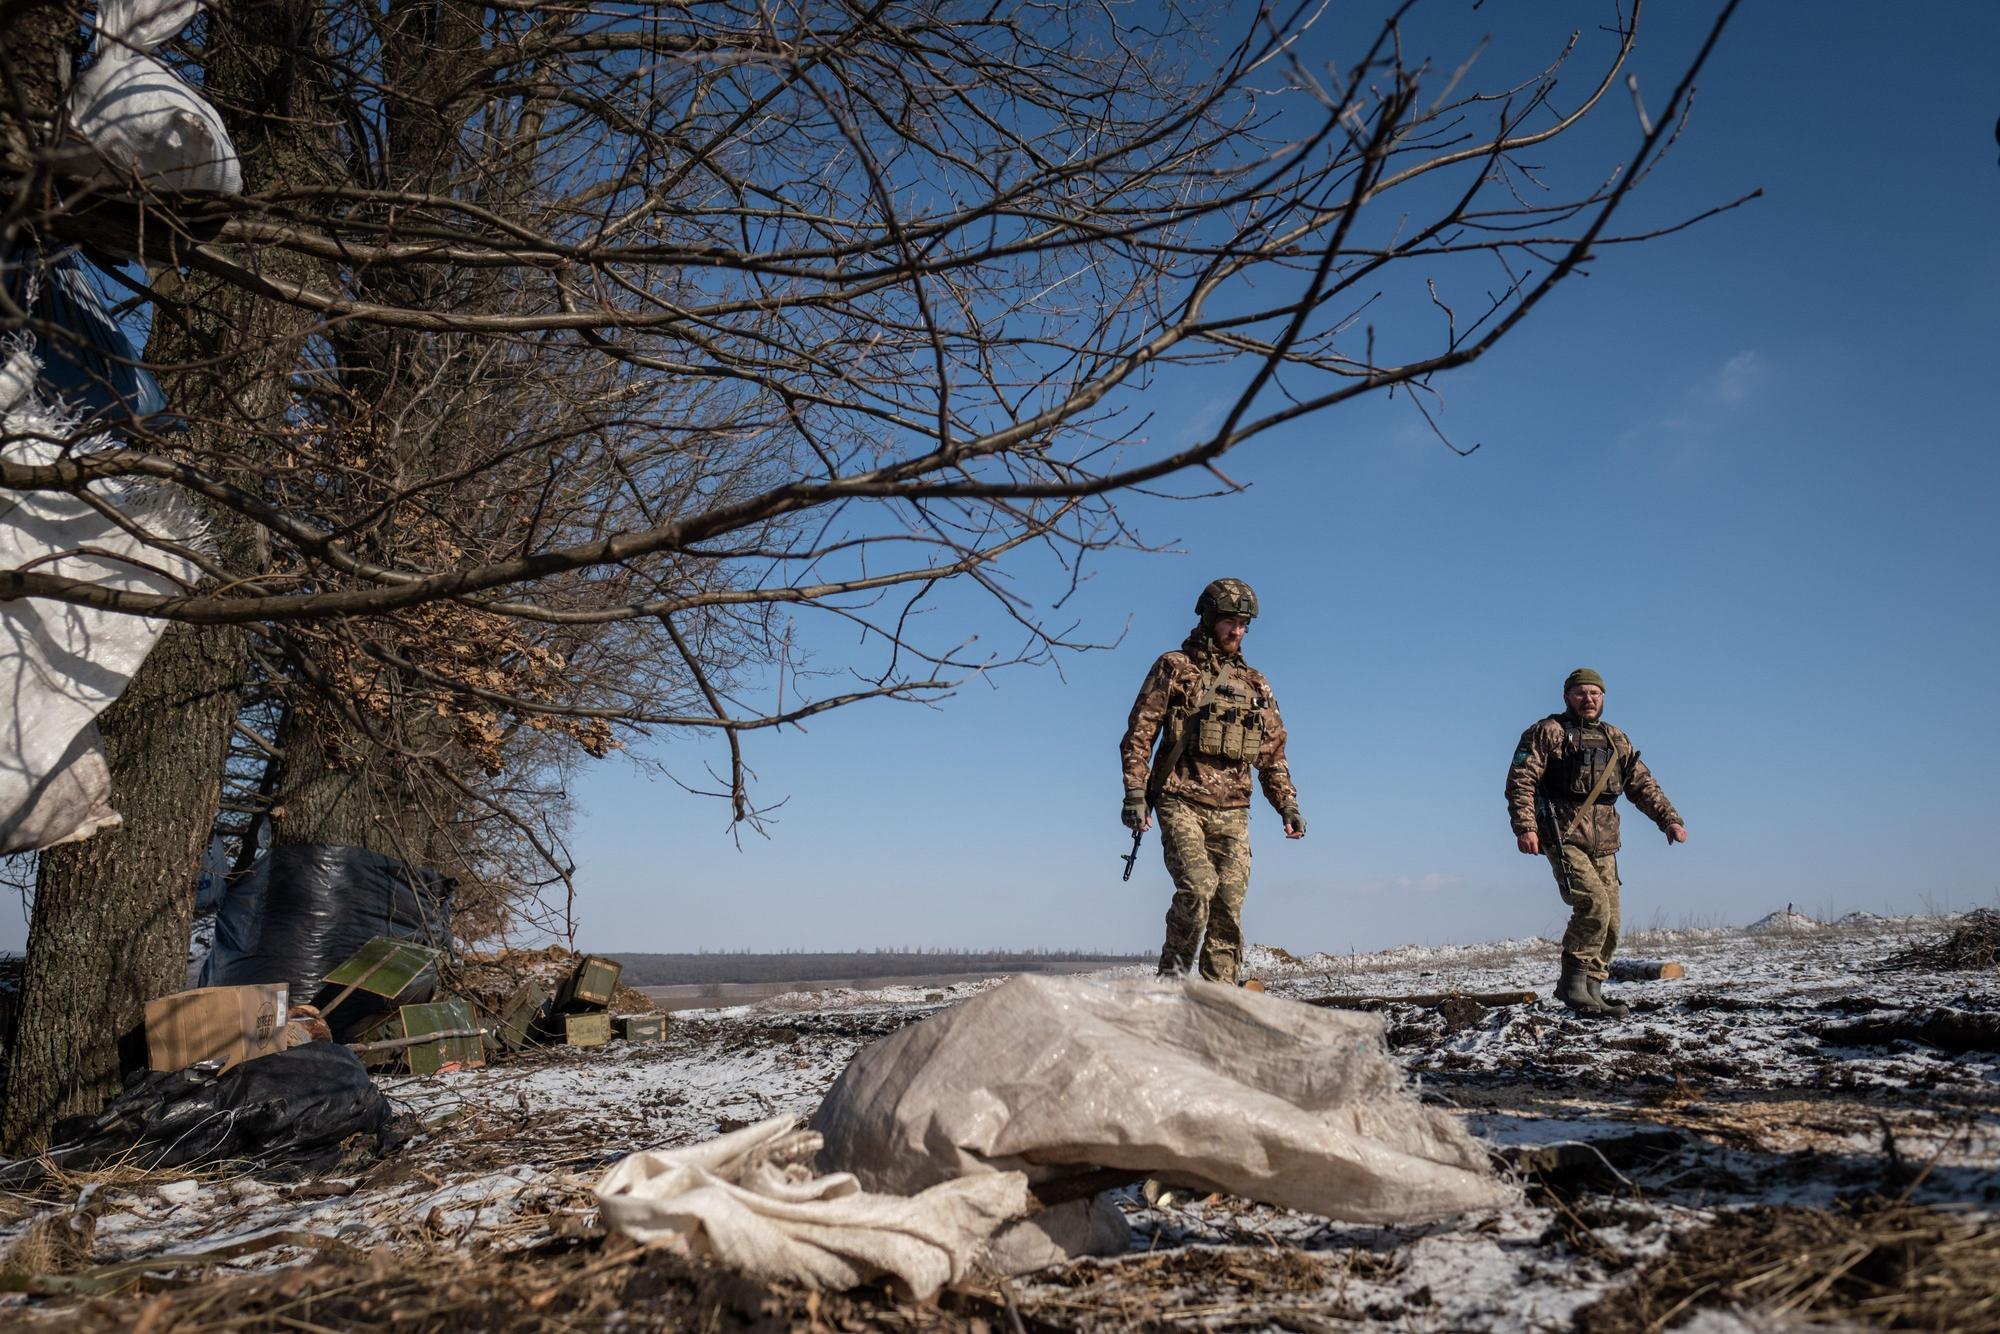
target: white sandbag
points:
(62, 665)
(136, 117)
(748, 1199)
(1192, 1082)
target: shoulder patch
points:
(1520, 757)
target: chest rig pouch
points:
(1226, 722)
(1573, 775)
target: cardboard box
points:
(641, 1027)
(227, 1024)
(587, 1030)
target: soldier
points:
(1213, 718)
(1562, 793)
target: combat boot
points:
(1616, 1008)
(1573, 990)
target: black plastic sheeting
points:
(289, 1110)
(307, 907)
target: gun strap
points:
(1596, 791)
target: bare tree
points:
(603, 341)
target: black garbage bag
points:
(307, 907)
(289, 1110)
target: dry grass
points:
(563, 1286)
(1973, 943)
(1881, 1264)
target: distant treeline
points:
(673, 970)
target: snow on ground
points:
(1785, 1067)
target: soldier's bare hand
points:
(1530, 843)
(1676, 834)
(1295, 829)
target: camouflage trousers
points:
(1208, 855)
(1589, 886)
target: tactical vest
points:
(1572, 775)
(1226, 721)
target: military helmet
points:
(1225, 597)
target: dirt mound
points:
(1788, 920)
(1973, 943)
(1880, 1264)
(489, 980)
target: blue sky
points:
(1748, 472)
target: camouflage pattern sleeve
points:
(1646, 793)
(1135, 751)
(1272, 770)
(1524, 774)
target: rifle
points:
(1173, 739)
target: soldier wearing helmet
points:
(1562, 798)
(1204, 718)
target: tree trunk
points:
(112, 913)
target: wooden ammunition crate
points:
(523, 1014)
(454, 1015)
(587, 1030)
(589, 985)
(641, 1027)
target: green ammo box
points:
(587, 1030)
(641, 1027)
(589, 985)
(467, 1048)
(523, 1012)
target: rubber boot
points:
(1573, 990)
(1617, 1008)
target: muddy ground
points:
(1802, 1131)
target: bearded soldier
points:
(1562, 794)
(1203, 718)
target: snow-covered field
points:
(1787, 1069)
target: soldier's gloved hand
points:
(1295, 824)
(1134, 814)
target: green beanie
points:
(1582, 676)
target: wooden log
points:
(1645, 970)
(1431, 1000)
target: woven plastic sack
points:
(136, 118)
(749, 1200)
(61, 665)
(1197, 1084)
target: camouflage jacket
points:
(1160, 715)
(1558, 761)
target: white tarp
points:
(1197, 1084)
(948, 1120)
(62, 665)
(136, 117)
(749, 1199)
